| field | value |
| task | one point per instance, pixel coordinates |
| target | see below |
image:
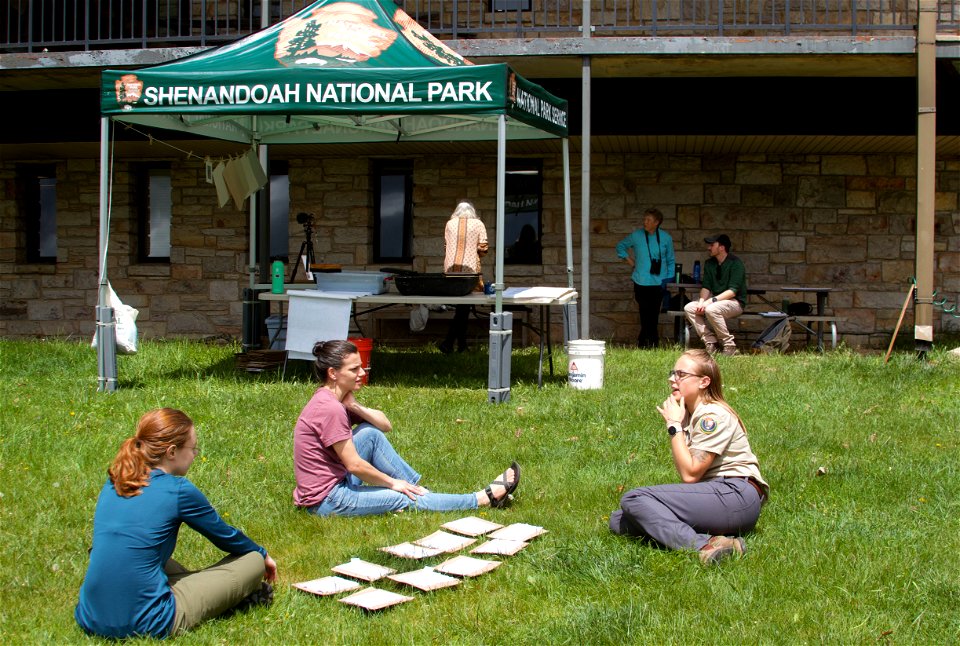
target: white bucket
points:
(585, 370)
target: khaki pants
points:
(711, 326)
(207, 593)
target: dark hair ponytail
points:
(157, 431)
(330, 354)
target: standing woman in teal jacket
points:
(132, 586)
(649, 252)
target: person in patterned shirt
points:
(465, 242)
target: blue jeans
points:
(350, 497)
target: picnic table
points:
(819, 319)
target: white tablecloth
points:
(317, 316)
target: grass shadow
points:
(426, 368)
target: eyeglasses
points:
(680, 375)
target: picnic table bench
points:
(816, 325)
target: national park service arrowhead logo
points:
(129, 90)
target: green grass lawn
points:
(867, 552)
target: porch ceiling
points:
(947, 147)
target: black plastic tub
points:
(415, 284)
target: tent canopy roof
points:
(357, 71)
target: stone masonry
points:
(844, 221)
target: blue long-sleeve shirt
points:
(641, 270)
(125, 591)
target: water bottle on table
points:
(696, 272)
(276, 277)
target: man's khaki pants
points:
(711, 326)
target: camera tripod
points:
(306, 247)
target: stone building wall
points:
(844, 221)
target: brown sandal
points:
(498, 503)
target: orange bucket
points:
(365, 348)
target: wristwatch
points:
(673, 429)
(714, 299)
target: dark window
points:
(279, 210)
(521, 225)
(393, 210)
(37, 197)
(509, 5)
(155, 212)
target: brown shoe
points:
(711, 348)
(720, 547)
(730, 350)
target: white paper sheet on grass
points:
(499, 547)
(471, 526)
(375, 599)
(466, 566)
(317, 316)
(327, 585)
(445, 541)
(364, 570)
(425, 579)
(518, 532)
(411, 551)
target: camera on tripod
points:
(306, 249)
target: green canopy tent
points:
(335, 72)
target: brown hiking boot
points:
(711, 347)
(730, 350)
(720, 547)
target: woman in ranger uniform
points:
(719, 498)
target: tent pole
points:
(249, 325)
(106, 325)
(567, 208)
(570, 309)
(252, 260)
(585, 203)
(501, 323)
(926, 175)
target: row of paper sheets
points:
(503, 541)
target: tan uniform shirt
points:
(715, 429)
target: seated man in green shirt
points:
(723, 296)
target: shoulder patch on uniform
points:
(708, 424)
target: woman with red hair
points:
(133, 587)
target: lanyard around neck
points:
(646, 237)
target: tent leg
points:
(570, 332)
(251, 320)
(106, 350)
(106, 323)
(501, 345)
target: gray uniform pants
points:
(685, 516)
